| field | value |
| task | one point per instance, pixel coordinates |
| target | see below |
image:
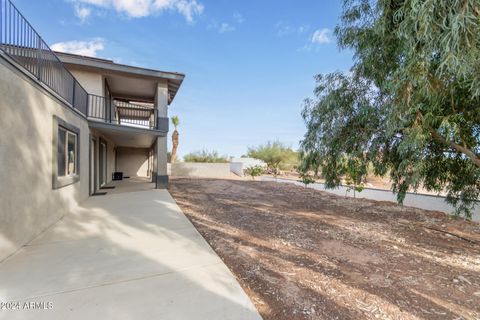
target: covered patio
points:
(132, 184)
(130, 254)
(129, 150)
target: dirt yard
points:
(305, 254)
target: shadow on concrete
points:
(125, 256)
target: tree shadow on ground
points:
(125, 256)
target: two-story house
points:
(67, 124)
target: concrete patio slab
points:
(130, 185)
(131, 255)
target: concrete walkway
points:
(130, 255)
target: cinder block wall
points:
(200, 170)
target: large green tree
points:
(277, 155)
(410, 105)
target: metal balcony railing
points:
(121, 112)
(20, 41)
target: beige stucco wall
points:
(133, 162)
(90, 81)
(28, 204)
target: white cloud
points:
(303, 29)
(225, 27)
(221, 27)
(189, 9)
(133, 8)
(82, 12)
(237, 16)
(84, 48)
(96, 2)
(285, 29)
(321, 36)
(143, 8)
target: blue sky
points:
(249, 64)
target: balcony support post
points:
(161, 104)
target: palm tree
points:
(175, 122)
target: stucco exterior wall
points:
(28, 203)
(133, 162)
(90, 81)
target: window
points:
(67, 152)
(66, 164)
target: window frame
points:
(67, 179)
(67, 141)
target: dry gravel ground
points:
(306, 254)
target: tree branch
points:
(469, 153)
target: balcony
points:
(119, 112)
(23, 46)
(21, 43)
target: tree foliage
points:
(276, 155)
(354, 174)
(205, 156)
(410, 105)
(175, 139)
(254, 171)
(310, 161)
(306, 179)
(175, 121)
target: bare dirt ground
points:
(306, 254)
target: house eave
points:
(174, 79)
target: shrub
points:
(205, 156)
(276, 155)
(354, 173)
(254, 171)
(306, 179)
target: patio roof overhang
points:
(126, 82)
(126, 135)
(139, 114)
